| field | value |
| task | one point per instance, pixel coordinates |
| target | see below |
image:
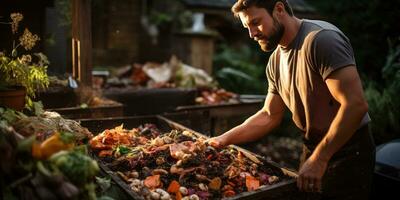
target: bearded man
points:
(312, 72)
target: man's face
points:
(263, 28)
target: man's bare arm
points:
(345, 86)
(255, 126)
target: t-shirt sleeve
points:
(271, 77)
(331, 50)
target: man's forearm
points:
(344, 125)
(253, 128)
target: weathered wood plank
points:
(82, 41)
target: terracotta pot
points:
(13, 98)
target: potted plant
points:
(22, 71)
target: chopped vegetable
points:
(215, 183)
(173, 187)
(78, 167)
(152, 181)
(50, 146)
(252, 183)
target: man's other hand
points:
(310, 175)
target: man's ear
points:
(279, 9)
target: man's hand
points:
(256, 126)
(310, 175)
(217, 142)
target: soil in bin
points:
(284, 150)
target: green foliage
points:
(383, 99)
(67, 137)
(391, 70)
(367, 23)
(37, 108)
(239, 70)
(64, 8)
(78, 167)
(121, 149)
(10, 115)
(157, 17)
(168, 14)
(28, 71)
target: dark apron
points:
(350, 170)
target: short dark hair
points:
(268, 5)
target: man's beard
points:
(272, 41)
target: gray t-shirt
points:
(297, 73)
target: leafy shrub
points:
(240, 70)
(366, 23)
(383, 99)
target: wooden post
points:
(202, 51)
(196, 48)
(82, 41)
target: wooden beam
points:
(82, 41)
(196, 48)
(202, 52)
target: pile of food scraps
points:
(216, 96)
(179, 164)
(45, 158)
